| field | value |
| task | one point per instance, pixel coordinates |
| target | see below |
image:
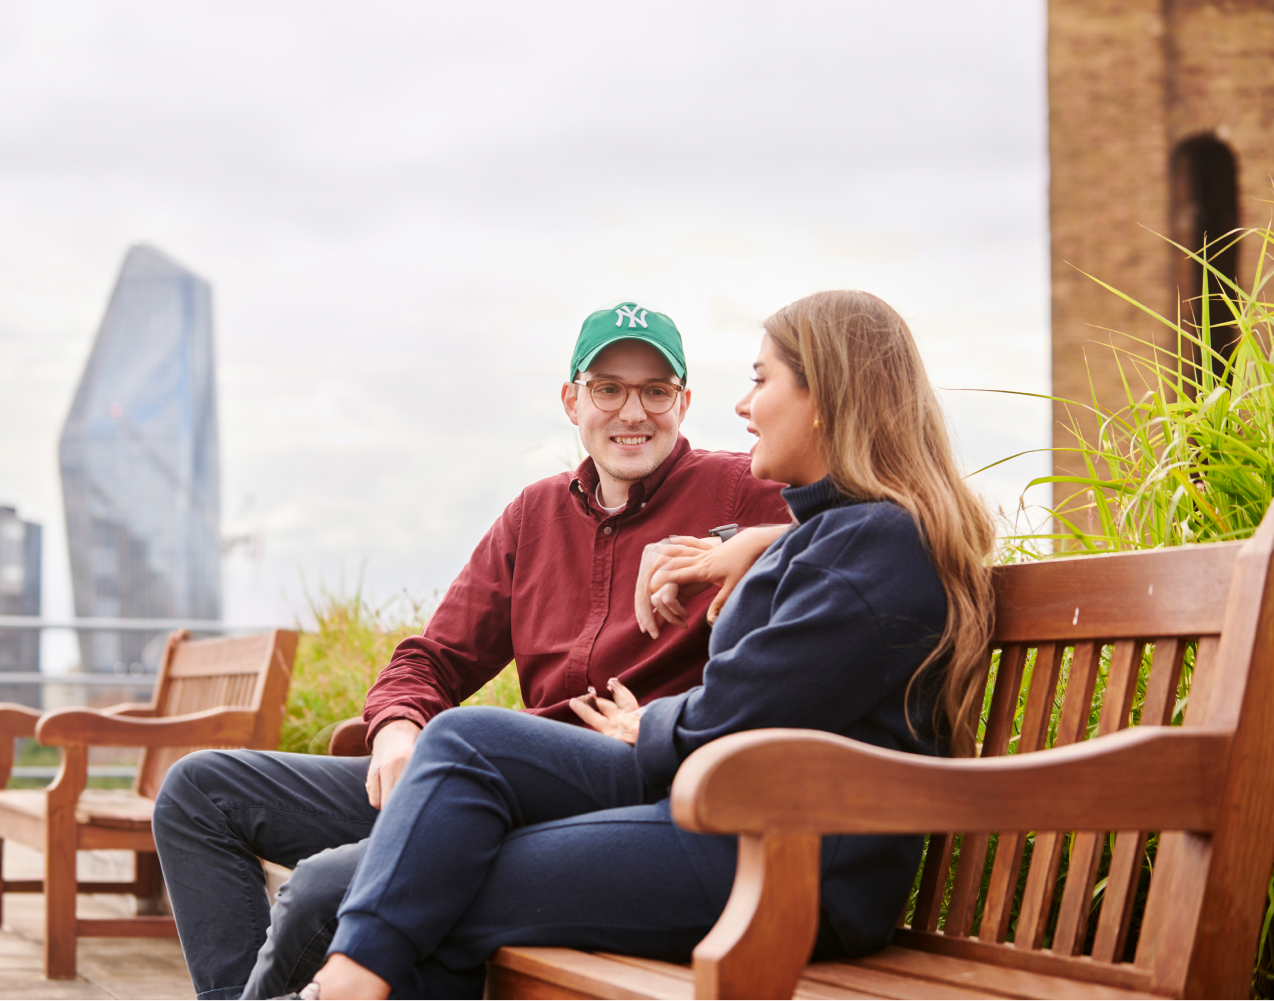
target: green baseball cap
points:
(627, 322)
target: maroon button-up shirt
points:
(551, 586)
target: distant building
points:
(1159, 117)
(20, 543)
(140, 463)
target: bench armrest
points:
(349, 739)
(770, 781)
(93, 728)
(17, 721)
(780, 790)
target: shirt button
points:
(643, 503)
(607, 530)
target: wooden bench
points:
(209, 693)
(1066, 629)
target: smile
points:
(632, 439)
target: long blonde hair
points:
(883, 437)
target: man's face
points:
(629, 443)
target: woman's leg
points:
(626, 880)
(476, 775)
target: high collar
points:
(584, 482)
(814, 498)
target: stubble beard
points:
(631, 473)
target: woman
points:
(868, 618)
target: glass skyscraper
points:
(19, 595)
(140, 462)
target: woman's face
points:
(780, 412)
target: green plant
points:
(338, 661)
(1189, 456)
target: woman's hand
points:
(654, 604)
(679, 566)
(620, 719)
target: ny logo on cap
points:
(631, 313)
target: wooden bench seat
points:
(114, 809)
(894, 972)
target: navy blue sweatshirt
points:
(824, 632)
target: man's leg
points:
(302, 922)
(218, 811)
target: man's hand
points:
(391, 750)
(620, 719)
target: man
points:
(549, 586)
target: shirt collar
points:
(815, 498)
(584, 482)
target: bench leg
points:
(60, 844)
(766, 933)
(148, 884)
(59, 907)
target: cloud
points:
(405, 210)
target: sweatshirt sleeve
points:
(467, 641)
(824, 659)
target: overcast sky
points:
(405, 211)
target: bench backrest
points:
(1104, 640)
(245, 672)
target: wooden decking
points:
(108, 967)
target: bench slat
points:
(1003, 980)
(894, 972)
(806, 989)
(582, 975)
(886, 982)
(1119, 976)
(1179, 591)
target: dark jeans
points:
(302, 922)
(509, 829)
(216, 813)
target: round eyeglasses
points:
(610, 395)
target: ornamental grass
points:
(338, 661)
(1189, 456)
